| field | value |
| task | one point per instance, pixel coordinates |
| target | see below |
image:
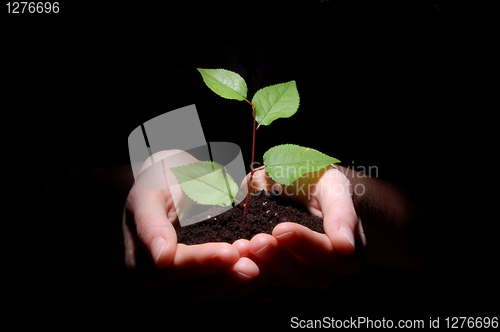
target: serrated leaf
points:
(286, 163)
(225, 83)
(206, 183)
(276, 101)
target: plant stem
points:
(254, 130)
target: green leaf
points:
(286, 163)
(207, 183)
(225, 83)
(276, 101)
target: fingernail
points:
(284, 235)
(157, 247)
(244, 275)
(347, 233)
(262, 249)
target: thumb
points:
(339, 215)
(260, 180)
(156, 173)
(154, 227)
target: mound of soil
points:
(265, 211)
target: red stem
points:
(253, 158)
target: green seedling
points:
(208, 183)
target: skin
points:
(293, 255)
(299, 257)
(148, 226)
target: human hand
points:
(201, 271)
(298, 256)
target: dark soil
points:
(265, 211)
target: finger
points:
(339, 215)
(223, 281)
(242, 246)
(259, 288)
(156, 173)
(213, 280)
(154, 228)
(261, 181)
(312, 247)
(206, 271)
(265, 250)
(245, 270)
(198, 259)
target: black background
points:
(400, 86)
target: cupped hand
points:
(298, 256)
(201, 271)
